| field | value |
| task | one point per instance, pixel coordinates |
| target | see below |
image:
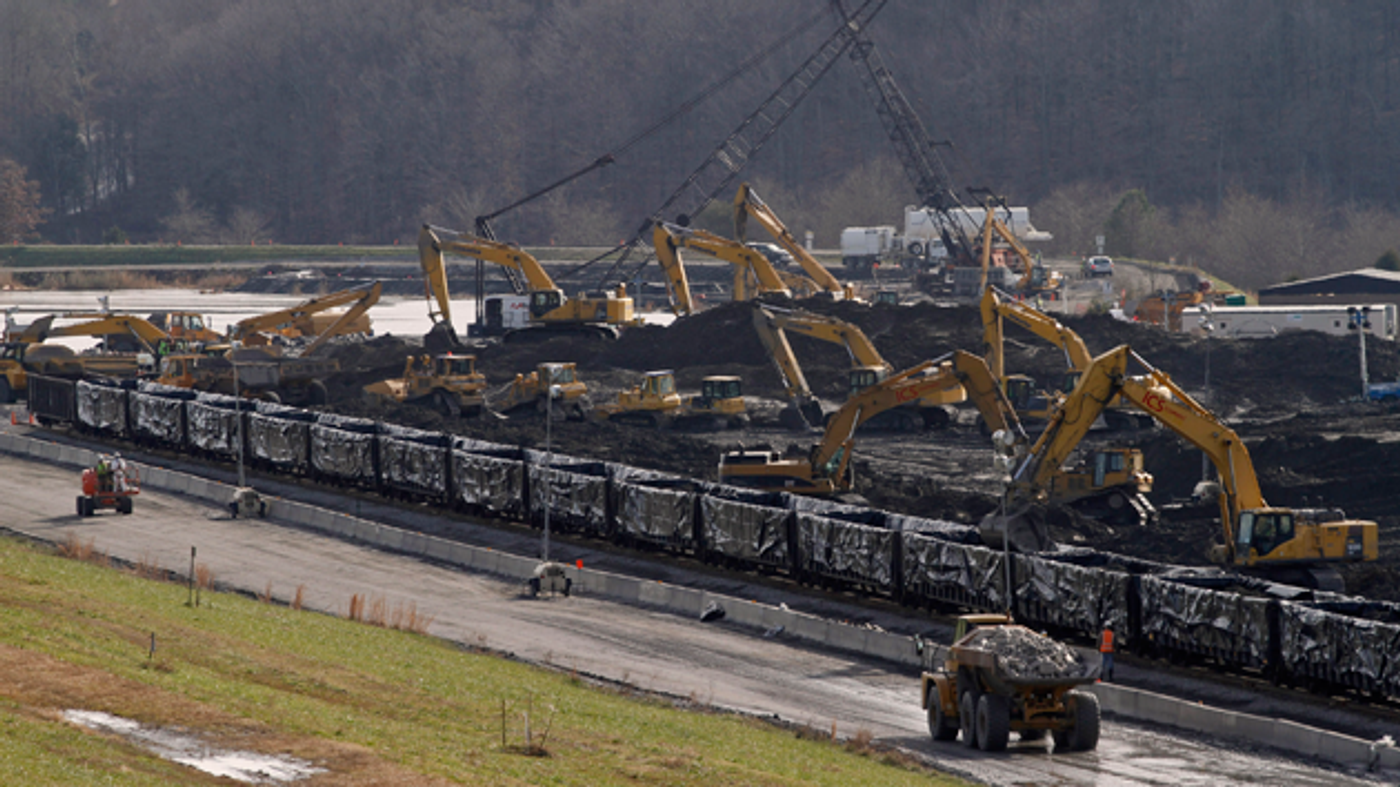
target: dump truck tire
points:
(967, 718)
(7, 394)
(1084, 735)
(940, 726)
(993, 722)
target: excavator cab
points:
(1261, 532)
(1021, 392)
(715, 389)
(543, 302)
(659, 385)
(863, 377)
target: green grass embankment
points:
(370, 704)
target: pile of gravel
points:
(1023, 654)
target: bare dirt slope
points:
(1293, 399)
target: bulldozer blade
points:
(1024, 528)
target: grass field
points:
(369, 704)
(21, 257)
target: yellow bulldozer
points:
(655, 402)
(448, 383)
(554, 386)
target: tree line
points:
(1252, 135)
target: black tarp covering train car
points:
(654, 509)
(575, 491)
(1309, 638)
(158, 415)
(413, 464)
(213, 424)
(490, 478)
(279, 438)
(344, 451)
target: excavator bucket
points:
(802, 417)
(1024, 528)
(441, 339)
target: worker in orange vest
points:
(1106, 650)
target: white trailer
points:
(1257, 322)
(863, 247)
(923, 228)
(502, 313)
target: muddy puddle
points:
(190, 750)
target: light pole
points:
(1360, 321)
(238, 418)
(1207, 327)
(550, 392)
(1003, 443)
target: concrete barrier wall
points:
(1118, 700)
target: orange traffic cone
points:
(13, 420)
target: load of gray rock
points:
(1024, 655)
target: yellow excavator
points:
(119, 332)
(308, 319)
(868, 368)
(747, 204)
(655, 402)
(259, 369)
(827, 469)
(1036, 277)
(549, 309)
(754, 275)
(1031, 404)
(1300, 546)
(26, 353)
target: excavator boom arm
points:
(908, 386)
(367, 299)
(148, 334)
(997, 307)
(829, 329)
(775, 342)
(732, 252)
(285, 317)
(747, 204)
(434, 276)
(503, 254)
(668, 255)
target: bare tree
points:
(188, 222)
(245, 226)
(20, 212)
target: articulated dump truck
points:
(1000, 678)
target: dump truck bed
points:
(1016, 657)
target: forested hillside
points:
(1251, 128)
